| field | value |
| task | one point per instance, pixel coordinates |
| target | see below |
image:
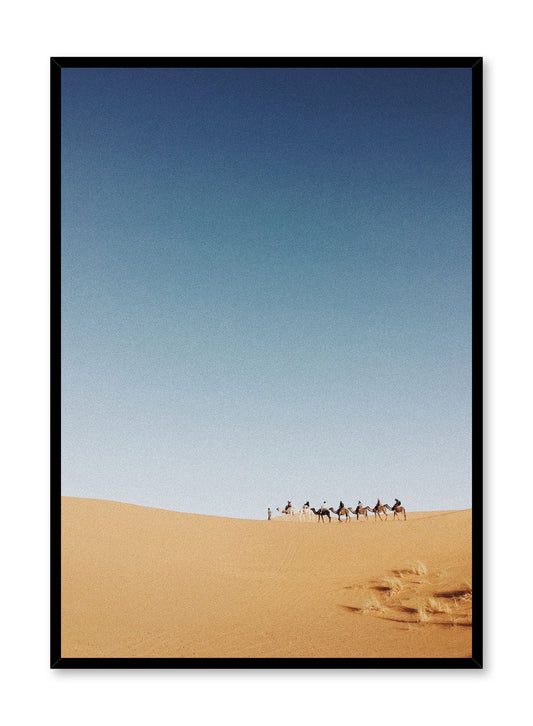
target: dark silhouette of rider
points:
(397, 503)
(341, 504)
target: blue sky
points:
(266, 287)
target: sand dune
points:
(142, 582)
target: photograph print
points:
(266, 362)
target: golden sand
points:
(143, 582)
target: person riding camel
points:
(341, 504)
(324, 507)
(396, 504)
(378, 504)
(359, 506)
(289, 506)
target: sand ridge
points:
(144, 582)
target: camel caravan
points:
(306, 513)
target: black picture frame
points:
(57, 64)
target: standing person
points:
(269, 514)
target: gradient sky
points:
(266, 287)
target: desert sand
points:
(144, 582)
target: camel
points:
(303, 513)
(380, 509)
(363, 511)
(398, 510)
(340, 512)
(321, 514)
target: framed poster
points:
(266, 362)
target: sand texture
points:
(143, 582)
